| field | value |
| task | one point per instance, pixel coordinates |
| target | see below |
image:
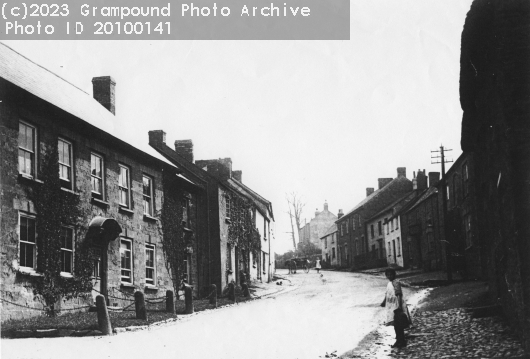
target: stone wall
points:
(51, 122)
(495, 98)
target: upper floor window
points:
(26, 149)
(467, 224)
(332, 238)
(148, 195)
(126, 260)
(67, 250)
(186, 220)
(187, 269)
(325, 242)
(397, 223)
(372, 230)
(228, 208)
(150, 268)
(379, 228)
(398, 246)
(392, 225)
(65, 163)
(465, 179)
(347, 225)
(28, 243)
(96, 173)
(124, 185)
(387, 224)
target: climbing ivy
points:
(175, 240)
(56, 208)
(241, 231)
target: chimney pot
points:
(103, 89)
(325, 206)
(185, 149)
(369, 191)
(402, 171)
(340, 214)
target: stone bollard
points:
(103, 316)
(232, 291)
(246, 291)
(139, 304)
(188, 299)
(170, 302)
(213, 295)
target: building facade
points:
(353, 233)
(312, 232)
(117, 190)
(329, 247)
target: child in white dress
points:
(394, 300)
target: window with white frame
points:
(397, 223)
(65, 163)
(126, 260)
(228, 208)
(187, 269)
(67, 250)
(97, 175)
(150, 267)
(147, 184)
(28, 243)
(27, 139)
(124, 186)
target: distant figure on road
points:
(291, 264)
(395, 305)
(317, 265)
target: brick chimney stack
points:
(103, 89)
(402, 171)
(238, 176)
(326, 206)
(340, 214)
(434, 178)
(185, 149)
(421, 180)
(369, 191)
(384, 181)
(157, 137)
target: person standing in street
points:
(395, 306)
(317, 265)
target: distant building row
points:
(401, 223)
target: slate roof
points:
(391, 206)
(413, 204)
(376, 194)
(263, 205)
(41, 82)
(331, 229)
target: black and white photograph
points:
(254, 179)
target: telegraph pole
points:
(443, 161)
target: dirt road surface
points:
(314, 315)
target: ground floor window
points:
(126, 260)
(150, 267)
(264, 262)
(67, 250)
(186, 275)
(333, 253)
(389, 249)
(28, 244)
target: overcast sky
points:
(324, 119)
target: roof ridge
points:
(44, 68)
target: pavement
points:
(444, 333)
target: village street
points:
(312, 316)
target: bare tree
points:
(296, 207)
